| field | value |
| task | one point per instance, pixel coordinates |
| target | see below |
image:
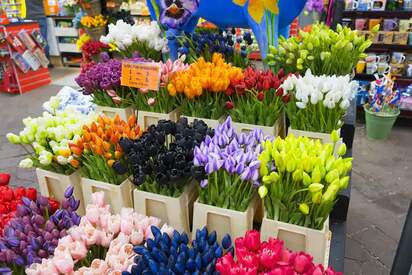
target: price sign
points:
(141, 75)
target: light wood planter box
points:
(124, 113)
(145, 119)
(299, 238)
(223, 221)
(117, 196)
(212, 123)
(176, 212)
(276, 130)
(53, 185)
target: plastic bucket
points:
(379, 126)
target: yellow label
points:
(141, 75)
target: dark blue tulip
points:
(147, 257)
(197, 272)
(165, 239)
(184, 238)
(181, 258)
(153, 267)
(201, 244)
(171, 261)
(219, 252)
(173, 251)
(176, 238)
(165, 248)
(159, 256)
(183, 249)
(231, 250)
(69, 192)
(139, 267)
(126, 273)
(198, 261)
(226, 241)
(192, 253)
(136, 259)
(211, 239)
(203, 233)
(180, 267)
(198, 234)
(150, 244)
(157, 240)
(147, 272)
(155, 231)
(191, 265)
(206, 258)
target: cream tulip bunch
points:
(318, 103)
(47, 138)
(301, 179)
(145, 39)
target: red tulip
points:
(229, 91)
(248, 270)
(229, 105)
(19, 192)
(240, 242)
(54, 205)
(260, 96)
(317, 270)
(266, 84)
(330, 271)
(240, 88)
(279, 92)
(7, 195)
(288, 256)
(271, 253)
(286, 98)
(3, 209)
(4, 179)
(252, 240)
(284, 270)
(303, 262)
(248, 259)
(281, 73)
(31, 193)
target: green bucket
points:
(379, 125)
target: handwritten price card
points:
(141, 75)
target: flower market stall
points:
(187, 165)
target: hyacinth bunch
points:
(102, 82)
(301, 178)
(34, 232)
(161, 161)
(255, 99)
(48, 138)
(102, 243)
(98, 150)
(175, 255)
(146, 39)
(228, 163)
(159, 101)
(322, 50)
(317, 103)
(200, 89)
(232, 46)
(269, 257)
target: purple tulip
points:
(203, 183)
(69, 192)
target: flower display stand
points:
(223, 221)
(124, 113)
(278, 129)
(145, 119)
(53, 185)
(117, 196)
(176, 212)
(299, 238)
(212, 123)
(323, 137)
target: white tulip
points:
(26, 163)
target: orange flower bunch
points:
(203, 76)
(102, 138)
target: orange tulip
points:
(100, 132)
(117, 155)
(76, 150)
(108, 155)
(110, 162)
(86, 137)
(97, 150)
(116, 119)
(132, 120)
(106, 146)
(93, 127)
(75, 163)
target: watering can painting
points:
(183, 15)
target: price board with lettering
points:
(141, 75)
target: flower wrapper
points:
(227, 167)
(383, 98)
(301, 178)
(161, 161)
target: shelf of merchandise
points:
(402, 80)
(390, 47)
(400, 14)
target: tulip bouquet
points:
(93, 21)
(234, 48)
(301, 178)
(230, 164)
(268, 257)
(146, 39)
(160, 165)
(49, 137)
(255, 99)
(200, 89)
(317, 103)
(102, 82)
(175, 255)
(102, 243)
(98, 149)
(33, 233)
(322, 50)
(92, 49)
(159, 101)
(10, 198)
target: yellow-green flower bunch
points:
(322, 50)
(301, 178)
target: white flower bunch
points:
(332, 90)
(320, 98)
(49, 136)
(123, 36)
(70, 3)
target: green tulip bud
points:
(310, 46)
(315, 187)
(263, 191)
(316, 176)
(332, 175)
(290, 163)
(342, 150)
(317, 197)
(329, 163)
(306, 179)
(297, 175)
(330, 194)
(13, 138)
(348, 167)
(311, 57)
(263, 170)
(334, 136)
(304, 208)
(307, 164)
(322, 171)
(343, 183)
(26, 163)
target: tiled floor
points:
(381, 191)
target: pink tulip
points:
(330, 271)
(126, 226)
(64, 263)
(252, 240)
(136, 237)
(98, 266)
(284, 270)
(318, 270)
(240, 242)
(98, 199)
(91, 235)
(105, 239)
(33, 269)
(303, 262)
(77, 232)
(78, 250)
(92, 213)
(114, 224)
(104, 220)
